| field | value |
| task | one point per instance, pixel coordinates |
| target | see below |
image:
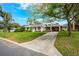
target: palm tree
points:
(6, 19)
(31, 21)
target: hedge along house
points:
(41, 27)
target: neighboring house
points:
(12, 30)
(40, 27)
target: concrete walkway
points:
(44, 44)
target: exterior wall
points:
(28, 29)
(42, 29)
(38, 29)
(33, 29)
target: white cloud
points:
(1, 18)
(24, 6)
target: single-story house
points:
(44, 27)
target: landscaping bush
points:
(21, 29)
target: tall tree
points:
(66, 11)
(30, 21)
(45, 10)
(70, 12)
(6, 19)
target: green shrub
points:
(21, 29)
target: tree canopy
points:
(67, 11)
(6, 19)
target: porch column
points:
(33, 29)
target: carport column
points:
(59, 28)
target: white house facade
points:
(41, 27)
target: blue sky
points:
(19, 12)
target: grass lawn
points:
(21, 36)
(68, 46)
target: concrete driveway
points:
(44, 44)
(11, 49)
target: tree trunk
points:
(69, 29)
(6, 29)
